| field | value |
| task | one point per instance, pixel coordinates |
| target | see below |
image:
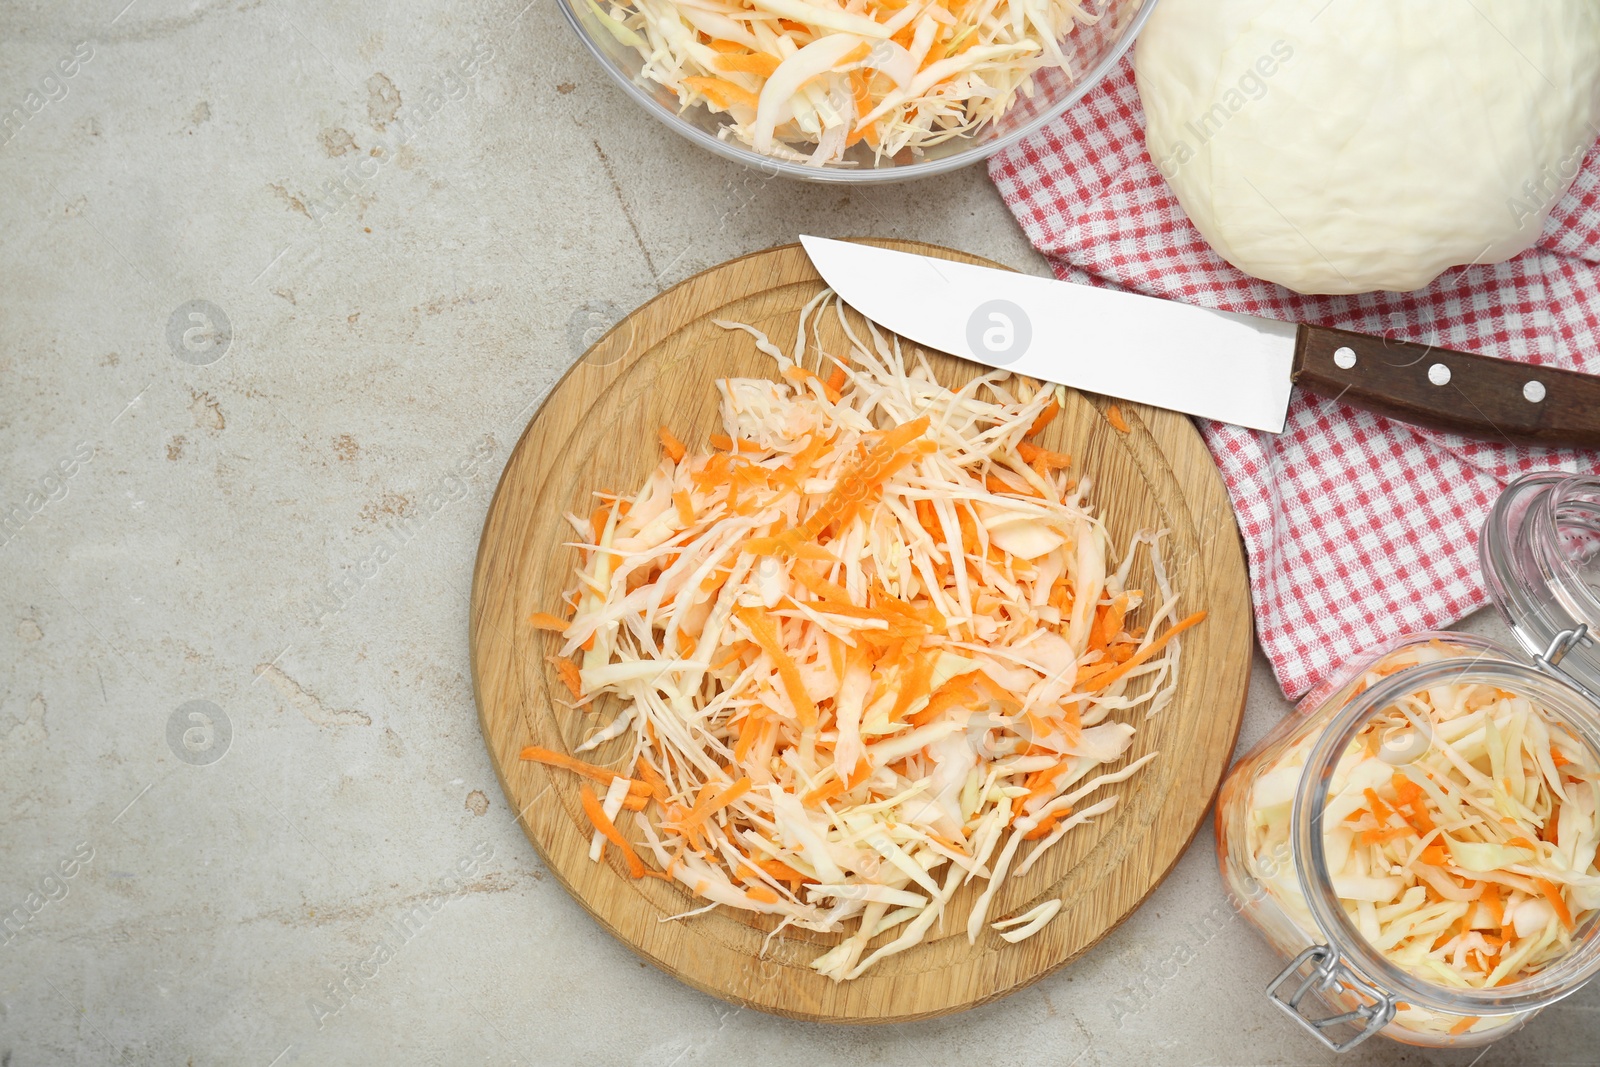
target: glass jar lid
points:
(1540, 555)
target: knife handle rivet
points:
(1344, 358)
(1439, 374)
(1533, 392)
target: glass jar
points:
(1287, 806)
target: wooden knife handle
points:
(1458, 392)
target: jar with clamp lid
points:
(1418, 840)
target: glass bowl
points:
(1091, 51)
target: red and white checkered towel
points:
(1358, 528)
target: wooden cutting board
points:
(597, 430)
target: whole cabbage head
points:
(1342, 146)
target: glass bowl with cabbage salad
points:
(1419, 840)
(857, 90)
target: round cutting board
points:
(597, 430)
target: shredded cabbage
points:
(1471, 866)
(844, 696)
(807, 79)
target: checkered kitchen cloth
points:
(1358, 528)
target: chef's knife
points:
(1215, 364)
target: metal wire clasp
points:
(1329, 973)
(1560, 645)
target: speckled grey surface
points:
(256, 385)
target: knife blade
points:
(1214, 364)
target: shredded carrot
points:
(801, 374)
(1046, 825)
(722, 94)
(767, 637)
(1414, 800)
(1380, 810)
(1043, 460)
(1051, 410)
(1494, 902)
(783, 872)
(536, 754)
(684, 506)
(914, 687)
(753, 728)
(543, 620)
(826, 791)
(1378, 837)
(653, 781)
(1114, 417)
(1552, 893)
(672, 446)
(731, 656)
(954, 693)
(599, 518)
(757, 63)
(878, 461)
(608, 830)
(568, 672)
(861, 90)
(998, 485)
(1106, 678)
(722, 442)
(709, 804)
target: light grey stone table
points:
(244, 362)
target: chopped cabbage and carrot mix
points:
(1470, 867)
(805, 80)
(869, 647)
